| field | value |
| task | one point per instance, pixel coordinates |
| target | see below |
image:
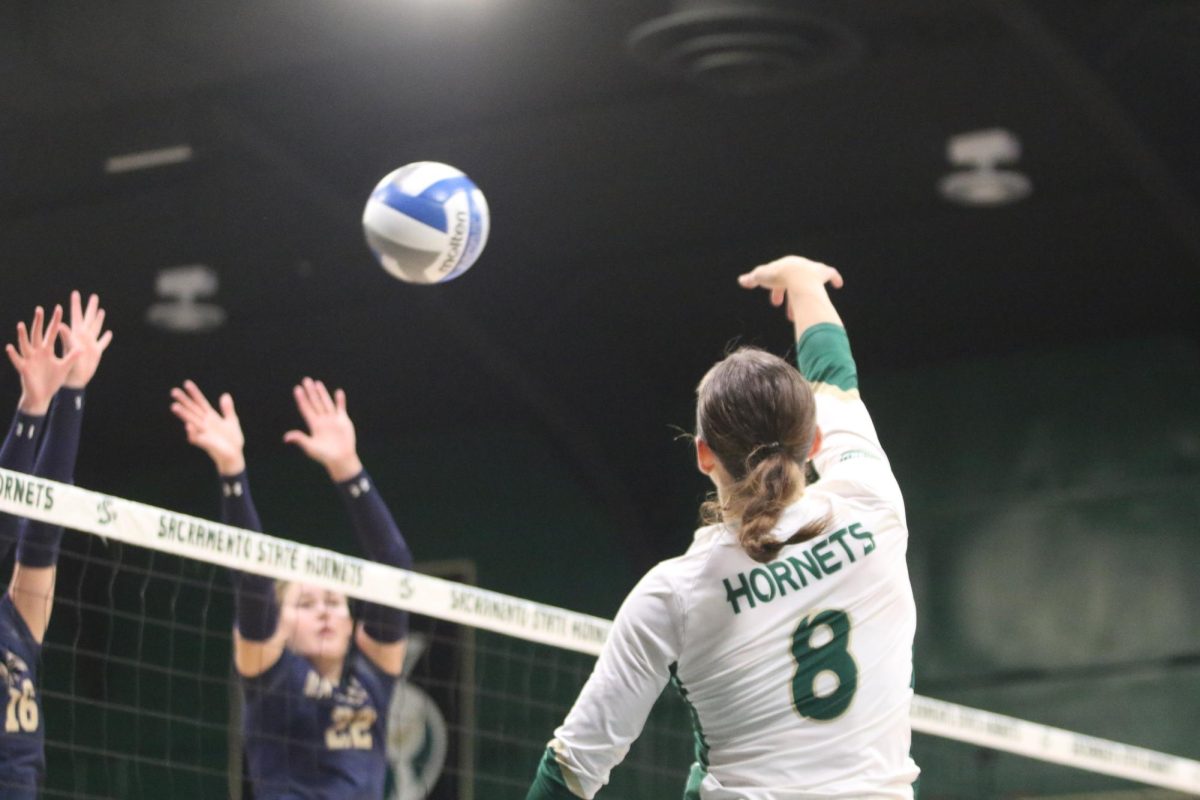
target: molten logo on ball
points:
(426, 222)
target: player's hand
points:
(87, 340)
(217, 433)
(42, 371)
(330, 440)
(790, 274)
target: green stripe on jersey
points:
(548, 784)
(695, 778)
(701, 742)
(700, 768)
(823, 355)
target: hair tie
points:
(763, 451)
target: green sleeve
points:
(823, 356)
(548, 784)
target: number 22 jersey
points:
(310, 739)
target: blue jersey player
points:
(43, 439)
(314, 705)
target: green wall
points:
(1053, 504)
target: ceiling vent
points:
(745, 46)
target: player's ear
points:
(816, 445)
(706, 459)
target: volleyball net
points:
(139, 698)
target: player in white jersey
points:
(788, 624)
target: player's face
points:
(319, 621)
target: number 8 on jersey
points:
(815, 662)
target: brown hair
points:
(758, 416)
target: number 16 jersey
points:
(21, 739)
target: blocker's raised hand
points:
(41, 370)
(217, 433)
(330, 440)
(86, 339)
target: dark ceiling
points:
(624, 201)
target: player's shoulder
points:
(870, 486)
(706, 541)
(677, 575)
(705, 536)
(878, 505)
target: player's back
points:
(800, 669)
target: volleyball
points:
(426, 222)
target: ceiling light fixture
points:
(181, 286)
(983, 184)
(148, 159)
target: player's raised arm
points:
(37, 553)
(258, 641)
(25, 607)
(824, 358)
(331, 442)
(41, 373)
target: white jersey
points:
(799, 671)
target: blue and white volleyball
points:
(426, 222)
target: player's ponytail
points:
(758, 416)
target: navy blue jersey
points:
(21, 750)
(307, 739)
